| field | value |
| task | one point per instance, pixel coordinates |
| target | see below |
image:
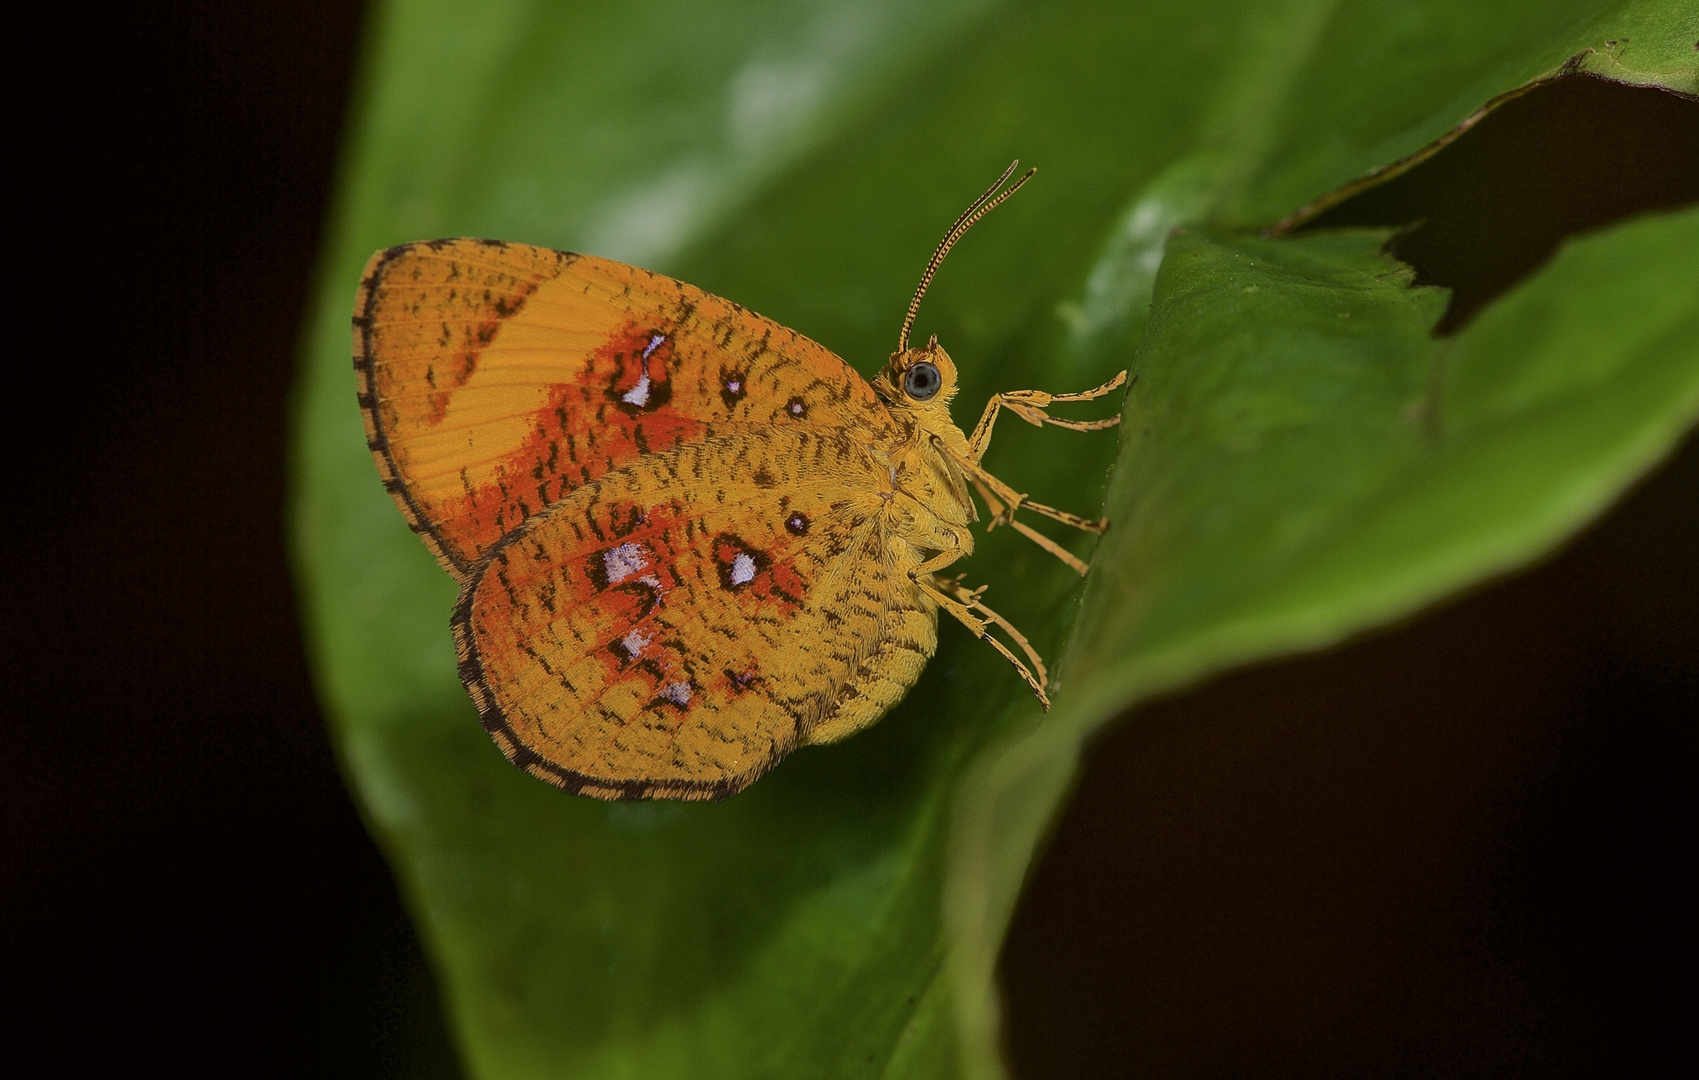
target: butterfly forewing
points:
(495, 379)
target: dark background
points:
(1455, 847)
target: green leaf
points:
(1300, 459)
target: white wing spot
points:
(678, 693)
(638, 395)
(743, 569)
(654, 343)
(623, 561)
(636, 641)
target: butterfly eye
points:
(922, 381)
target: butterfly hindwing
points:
(495, 379)
(675, 627)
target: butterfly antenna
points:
(981, 206)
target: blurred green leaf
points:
(1300, 458)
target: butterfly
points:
(687, 539)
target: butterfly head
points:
(920, 380)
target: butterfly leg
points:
(970, 597)
(940, 591)
(1006, 513)
(1029, 405)
(1001, 500)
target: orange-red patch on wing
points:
(617, 408)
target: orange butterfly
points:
(687, 539)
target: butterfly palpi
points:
(687, 539)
